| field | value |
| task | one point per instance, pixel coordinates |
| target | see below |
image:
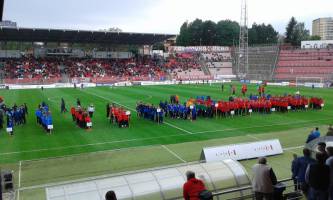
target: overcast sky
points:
(157, 16)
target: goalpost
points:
(310, 81)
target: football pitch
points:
(71, 153)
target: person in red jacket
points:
(192, 187)
(73, 113)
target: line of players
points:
(150, 112)
(118, 115)
(15, 115)
(82, 117)
(44, 117)
(206, 107)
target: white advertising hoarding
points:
(242, 151)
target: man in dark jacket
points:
(317, 175)
(299, 169)
(192, 187)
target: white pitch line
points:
(176, 127)
(262, 126)
(85, 145)
(134, 110)
(173, 153)
(127, 140)
(253, 137)
(292, 148)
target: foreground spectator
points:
(313, 135)
(264, 180)
(322, 149)
(329, 162)
(299, 169)
(192, 187)
(318, 177)
(110, 195)
(329, 131)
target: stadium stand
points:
(262, 61)
(185, 66)
(219, 64)
(296, 63)
(51, 70)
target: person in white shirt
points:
(91, 110)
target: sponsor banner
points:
(274, 84)
(136, 83)
(255, 82)
(242, 151)
(104, 84)
(198, 49)
(316, 85)
(2, 86)
(56, 85)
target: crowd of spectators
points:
(29, 67)
(45, 68)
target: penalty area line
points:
(173, 153)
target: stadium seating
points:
(51, 70)
(186, 66)
(261, 62)
(219, 64)
(304, 63)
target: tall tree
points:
(300, 34)
(227, 32)
(290, 30)
(195, 29)
(208, 36)
(296, 32)
(262, 34)
(184, 36)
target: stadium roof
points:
(80, 36)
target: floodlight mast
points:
(243, 49)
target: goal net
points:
(310, 81)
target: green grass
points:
(139, 147)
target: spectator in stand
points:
(192, 187)
(318, 177)
(263, 180)
(322, 149)
(313, 135)
(330, 130)
(110, 195)
(299, 169)
(329, 162)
